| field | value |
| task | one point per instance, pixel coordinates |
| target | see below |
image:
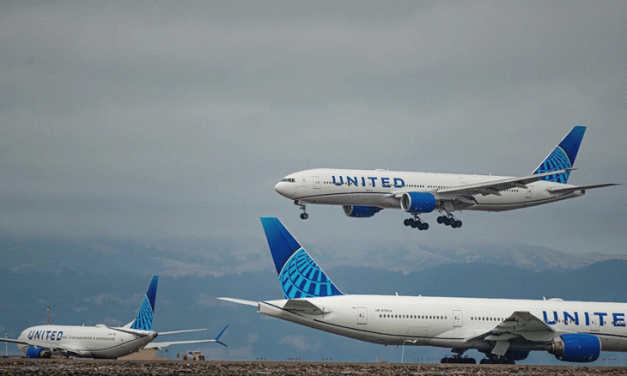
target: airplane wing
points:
(496, 186)
(140, 333)
(520, 325)
(65, 350)
(17, 341)
(580, 188)
(181, 331)
(161, 345)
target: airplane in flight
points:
(505, 330)
(101, 341)
(364, 193)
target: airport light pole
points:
(403, 352)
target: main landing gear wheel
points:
(458, 360)
(449, 221)
(304, 215)
(497, 361)
(416, 223)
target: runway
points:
(63, 367)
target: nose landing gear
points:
(458, 358)
(303, 207)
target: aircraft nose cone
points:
(283, 189)
(279, 188)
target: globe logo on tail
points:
(301, 277)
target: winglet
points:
(563, 156)
(143, 321)
(299, 274)
(220, 335)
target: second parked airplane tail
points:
(562, 157)
(299, 274)
(143, 321)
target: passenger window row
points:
(414, 317)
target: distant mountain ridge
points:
(218, 257)
(523, 256)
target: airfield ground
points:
(22, 366)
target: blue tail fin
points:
(299, 274)
(143, 321)
(563, 156)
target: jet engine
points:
(576, 347)
(360, 211)
(418, 202)
(37, 352)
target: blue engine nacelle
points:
(417, 202)
(360, 211)
(576, 347)
(37, 352)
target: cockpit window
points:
(289, 180)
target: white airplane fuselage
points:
(456, 323)
(97, 341)
(382, 189)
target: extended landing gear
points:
(416, 222)
(497, 360)
(449, 220)
(303, 207)
(458, 358)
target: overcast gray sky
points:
(172, 121)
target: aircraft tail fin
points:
(299, 274)
(562, 157)
(143, 321)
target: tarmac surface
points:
(23, 366)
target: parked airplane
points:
(363, 193)
(100, 341)
(505, 330)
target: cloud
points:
(172, 123)
(300, 342)
(102, 298)
(253, 338)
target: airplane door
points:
(316, 182)
(362, 315)
(594, 324)
(528, 193)
(457, 318)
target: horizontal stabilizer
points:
(580, 188)
(304, 306)
(241, 301)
